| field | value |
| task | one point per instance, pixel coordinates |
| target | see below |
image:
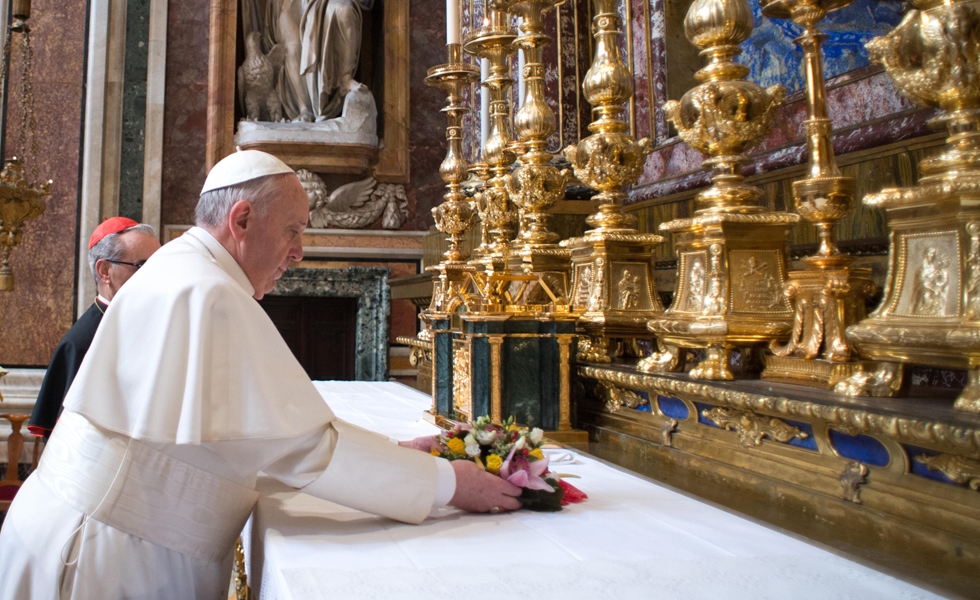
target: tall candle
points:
(452, 21)
(484, 103)
(520, 78)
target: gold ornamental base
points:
(612, 288)
(808, 371)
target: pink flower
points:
(525, 474)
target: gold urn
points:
(930, 313)
(732, 252)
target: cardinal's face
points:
(277, 237)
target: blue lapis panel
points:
(673, 407)
(808, 443)
(773, 57)
(922, 470)
(645, 407)
(863, 448)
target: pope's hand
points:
(479, 491)
(425, 443)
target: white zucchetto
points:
(242, 166)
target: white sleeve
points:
(363, 470)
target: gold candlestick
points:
(456, 215)
(535, 186)
(494, 42)
(732, 253)
(611, 264)
(829, 295)
(930, 313)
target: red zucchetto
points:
(109, 227)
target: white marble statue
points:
(257, 77)
(321, 40)
(360, 114)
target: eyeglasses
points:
(122, 262)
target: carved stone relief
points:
(354, 205)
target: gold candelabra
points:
(930, 313)
(611, 264)
(494, 41)
(829, 294)
(21, 199)
(456, 215)
(732, 253)
(535, 185)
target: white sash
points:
(136, 489)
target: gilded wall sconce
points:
(732, 252)
(21, 199)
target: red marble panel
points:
(185, 109)
(41, 308)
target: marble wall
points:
(40, 310)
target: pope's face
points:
(276, 238)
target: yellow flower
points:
(494, 463)
(536, 453)
(456, 445)
(435, 452)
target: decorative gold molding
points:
(242, 591)
(854, 476)
(962, 440)
(618, 398)
(958, 468)
(752, 427)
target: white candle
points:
(452, 21)
(484, 103)
(520, 78)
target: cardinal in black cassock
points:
(117, 249)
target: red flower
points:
(573, 495)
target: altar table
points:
(633, 538)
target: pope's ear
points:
(239, 218)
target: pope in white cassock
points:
(187, 392)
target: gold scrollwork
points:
(617, 398)
(852, 478)
(962, 440)
(752, 427)
(958, 468)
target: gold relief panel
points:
(929, 277)
(694, 271)
(632, 288)
(757, 282)
(462, 399)
(582, 286)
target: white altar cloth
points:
(633, 538)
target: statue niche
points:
(297, 79)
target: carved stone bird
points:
(354, 205)
(257, 77)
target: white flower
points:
(469, 440)
(472, 451)
(536, 435)
(486, 436)
(520, 443)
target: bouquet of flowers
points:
(513, 453)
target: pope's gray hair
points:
(214, 206)
(109, 248)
